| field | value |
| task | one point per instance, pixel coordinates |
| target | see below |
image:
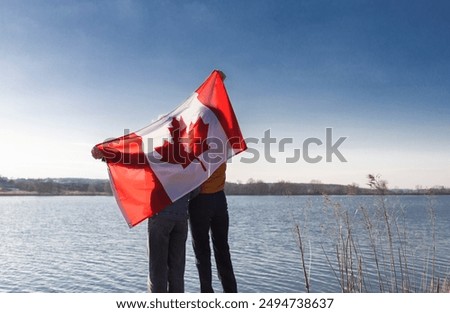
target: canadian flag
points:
(151, 168)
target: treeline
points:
(317, 188)
(55, 186)
(288, 188)
(84, 186)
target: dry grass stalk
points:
(389, 256)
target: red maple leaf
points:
(185, 147)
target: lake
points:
(83, 244)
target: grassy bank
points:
(386, 262)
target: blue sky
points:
(377, 72)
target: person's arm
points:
(96, 153)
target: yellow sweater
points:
(216, 182)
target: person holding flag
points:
(167, 234)
(208, 213)
(154, 170)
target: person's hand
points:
(222, 75)
(96, 153)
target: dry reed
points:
(388, 263)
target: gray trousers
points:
(167, 254)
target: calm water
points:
(82, 244)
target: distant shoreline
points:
(102, 187)
(28, 194)
(89, 194)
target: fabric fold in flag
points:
(153, 167)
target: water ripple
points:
(82, 244)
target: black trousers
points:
(208, 213)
